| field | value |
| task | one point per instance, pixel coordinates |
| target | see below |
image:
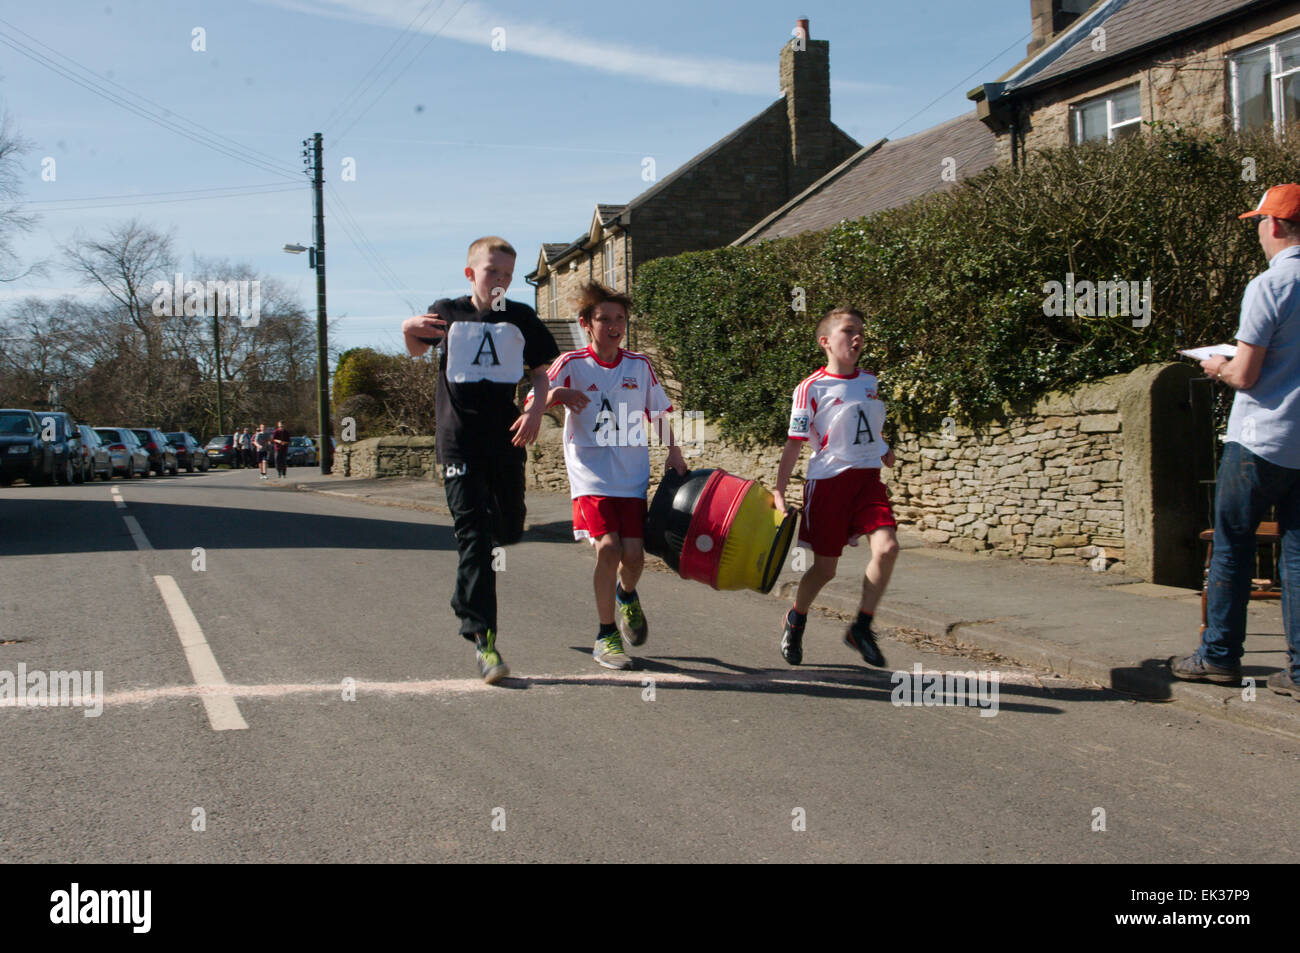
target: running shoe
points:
(863, 640)
(792, 642)
(490, 664)
(631, 620)
(608, 651)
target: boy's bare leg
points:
(608, 550)
(822, 572)
(884, 551)
(632, 563)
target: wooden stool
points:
(1266, 534)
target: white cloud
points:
(473, 23)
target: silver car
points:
(98, 461)
(128, 455)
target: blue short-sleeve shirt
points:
(1265, 418)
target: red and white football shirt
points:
(606, 446)
(842, 416)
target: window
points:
(1266, 86)
(1117, 115)
(607, 255)
(553, 296)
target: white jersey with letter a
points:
(842, 416)
(606, 445)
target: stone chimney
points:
(1050, 17)
(806, 83)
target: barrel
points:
(719, 529)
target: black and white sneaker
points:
(863, 640)
(792, 641)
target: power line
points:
(211, 140)
(344, 104)
(398, 74)
(958, 85)
(371, 257)
(131, 195)
(342, 207)
(194, 198)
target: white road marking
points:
(141, 540)
(117, 498)
(223, 713)
(222, 690)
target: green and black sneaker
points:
(631, 620)
(490, 664)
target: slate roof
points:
(882, 176)
(1132, 27)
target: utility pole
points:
(216, 343)
(322, 344)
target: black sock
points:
(796, 619)
(606, 628)
(864, 621)
(623, 595)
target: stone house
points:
(883, 175)
(710, 200)
(1099, 71)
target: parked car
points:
(60, 431)
(189, 452)
(23, 454)
(129, 457)
(162, 455)
(99, 462)
(302, 452)
(221, 449)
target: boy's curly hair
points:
(594, 293)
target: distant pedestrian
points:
(262, 439)
(1260, 466)
(280, 441)
(245, 448)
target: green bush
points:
(953, 285)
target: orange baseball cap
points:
(1281, 201)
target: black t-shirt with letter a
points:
(484, 356)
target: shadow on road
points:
(61, 526)
(830, 681)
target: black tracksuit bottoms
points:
(486, 500)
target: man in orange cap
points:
(1260, 464)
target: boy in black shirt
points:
(487, 343)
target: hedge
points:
(954, 285)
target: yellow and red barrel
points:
(719, 529)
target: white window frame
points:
(607, 260)
(1276, 78)
(1076, 114)
(553, 297)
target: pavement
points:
(1105, 628)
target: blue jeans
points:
(1248, 485)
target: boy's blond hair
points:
(489, 243)
(828, 319)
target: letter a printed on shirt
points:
(484, 351)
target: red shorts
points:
(594, 516)
(839, 509)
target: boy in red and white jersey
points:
(838, 410)
(611, 396)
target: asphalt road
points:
(725, 754)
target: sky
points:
(448, 137)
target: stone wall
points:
(1103, 475)
(387, 457)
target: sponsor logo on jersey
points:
(592, 387)
(629, 383)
